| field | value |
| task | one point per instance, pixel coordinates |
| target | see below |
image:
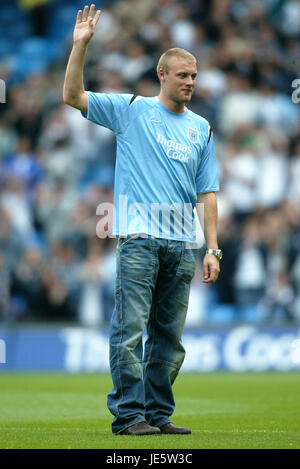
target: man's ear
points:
(161, 75)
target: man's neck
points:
(171, 105)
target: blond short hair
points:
(177, 53)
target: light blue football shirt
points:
(163, 160)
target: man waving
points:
(165, 165)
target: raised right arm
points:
(73, 90)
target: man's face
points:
(179, 82)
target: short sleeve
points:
(207, 179)
(108, 110)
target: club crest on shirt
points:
(193, 135)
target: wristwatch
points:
(215, 252)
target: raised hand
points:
(85, 25)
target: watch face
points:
(216, 252)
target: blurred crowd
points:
(56, 167)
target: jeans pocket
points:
(187, 265)
(136, 259)
(127, 239)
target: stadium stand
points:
(56, 167)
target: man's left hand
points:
(211, 268)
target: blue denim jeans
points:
(152, 292)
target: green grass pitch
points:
(224, 410)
